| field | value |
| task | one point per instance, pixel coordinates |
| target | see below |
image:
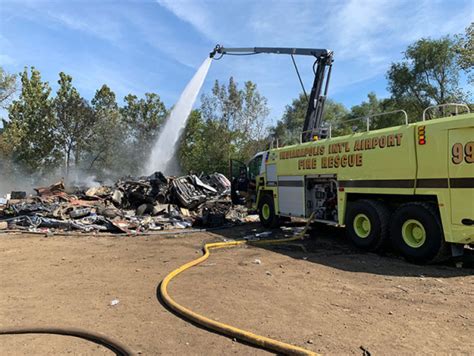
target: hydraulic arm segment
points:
(324, 58)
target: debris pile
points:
(131, 205)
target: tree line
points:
(65, 133)
(45, 134)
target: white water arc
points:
(166, 144)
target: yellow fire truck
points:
(411, 184)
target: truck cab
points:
(247, 179)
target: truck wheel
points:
(416, 232)
(266, 211)
(367, 224)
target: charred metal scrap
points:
(131, 205)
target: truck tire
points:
(266, 211)
(367, 224)
(416, 232)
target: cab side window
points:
(254, 167)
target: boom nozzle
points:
(323, 62)
(216, 50)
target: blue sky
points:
(139, 46)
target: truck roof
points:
(447, 120)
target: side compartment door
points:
(291, 196)
(461, 174)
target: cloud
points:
(289, 23)
(5, 59)
(96, 21)
(356, 29)
(361, 30)
(136, 45)
(376, 30)
(366, 35)
(196, 13)
(95, 24)
(176, 45)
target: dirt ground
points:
(324, 296)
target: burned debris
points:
(130, 205)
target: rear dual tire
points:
(414, 229)
(416, 232)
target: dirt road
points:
(331, 298)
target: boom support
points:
(324, 58)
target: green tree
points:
(8, 87)
(252, 130)
(202, 149)
(288, 129)
(106, 149)
(30, 133)
(143, 118)
(74, 120)
(334, 114)
(6, 165)
(223, 104)
(229, 124)
(428, 75)
(356, 120)
(193, 148)
(238, 116)
(464, 47)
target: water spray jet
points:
(164, 150)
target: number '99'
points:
(460, 153)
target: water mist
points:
(164, 151)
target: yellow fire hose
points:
(258, 340)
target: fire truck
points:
(411, 184)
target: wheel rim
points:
(413, 233)
(362, 226)
(266, 211)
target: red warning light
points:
(421, 135)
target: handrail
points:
(456, 105)
(312, 131)
(272, 143)
(302, 133)
(367, 119)
(392, 112)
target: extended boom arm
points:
(312, 123)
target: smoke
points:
(82, 178)
(15, 178)
(163, 155)
(9, 184)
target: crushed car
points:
(130, 205)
